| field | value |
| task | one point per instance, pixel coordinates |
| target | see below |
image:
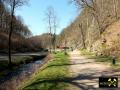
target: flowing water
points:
(13, 79)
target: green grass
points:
(86, 52)
(49, 78)
(91, 55)
(104, 59)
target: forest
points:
(93, 28)
(21, 35)
(85, 50)
(90, 29)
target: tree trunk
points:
(115, 8)
(9, 53)
(54, 41)
(65, 46)
(50, 42)
(10, 33)
(82, 35)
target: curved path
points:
(86, 72)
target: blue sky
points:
(34, 14)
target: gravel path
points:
(86, 72)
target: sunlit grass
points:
(86, 52)
(49, 77)
(102, 58)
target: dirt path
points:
(86, 72)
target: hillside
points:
(99, 35)
(96, 28)
(111, 36)
(20, 33)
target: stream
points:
(13, 79)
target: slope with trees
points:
(15, 36)
(87, 30)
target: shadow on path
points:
(85, 78)
(86, 81)
(69, 80)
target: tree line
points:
(15, 36)
(95, 16)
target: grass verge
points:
(104, 59)
(86, 52)
(50, 76)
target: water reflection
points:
(17, 76)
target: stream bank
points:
(14, 79)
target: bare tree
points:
(82, 36)
(97, 11)
(1, 13)
(115, 8)
(94, 10)
(55, 25)
(13, 4)
(64, 40)
(52, 25)
(49, 18)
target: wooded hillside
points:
(20, 35)
(96, 18)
